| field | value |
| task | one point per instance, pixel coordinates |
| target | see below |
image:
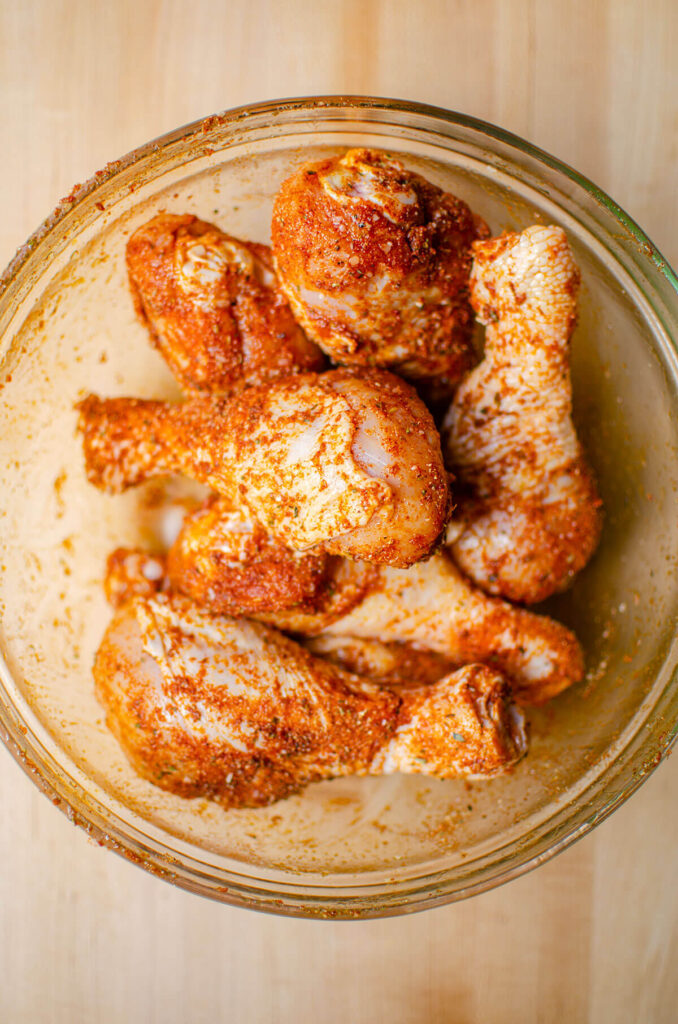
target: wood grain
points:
(591, 936)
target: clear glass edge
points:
(327, 104)
(381, 899)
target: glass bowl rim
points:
(294, 898)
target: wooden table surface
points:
(591, 936)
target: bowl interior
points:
(75, 331)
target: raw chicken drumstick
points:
(530, 517)
(244, 573)
(213, 306)
(344, 459)
(225, 708)
(227, 563)
(194, 568)
(375, 620)
(388, 664)
(433, 606)
(375, 260)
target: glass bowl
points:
(352, 847)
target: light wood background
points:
(593, 935)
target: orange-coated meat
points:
(432, 605)
(231, 710)
(350, 460)
(392, 625)
(262, 587)
(375, 261)
(132, 572)
(529, 516)
(229, 564)
(213, 306)
(226, 563)
(389, 664)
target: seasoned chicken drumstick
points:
(433, 606)
(391, 664)
(213, 306)
(227, 563)
(228, 709)
(230, 564)
(375, 260)
(194, 568)
(430, 606)
(531, 516)
(349, 461)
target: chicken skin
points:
(190, 565)
(392, 664)
(132, 572)
(231, 565)
(432, 605)
(529, 516)
(394, 625)
(375, 260)
(228, 564)
(213, 306)
(348, 460)
(211, 706)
